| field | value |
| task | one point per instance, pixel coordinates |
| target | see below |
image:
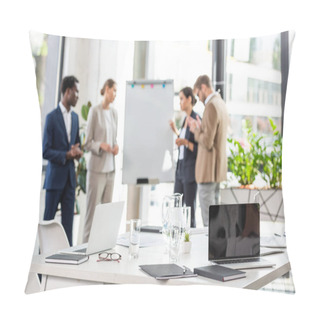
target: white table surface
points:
(127, 271)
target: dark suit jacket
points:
(187, 170)
(55, 147)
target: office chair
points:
(52, 237)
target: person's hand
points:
(105, 147)
(75, 152)
(79, 154)
(181, 142)
(198, 122)
(193, 124)
(115, 150)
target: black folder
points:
(167, 271)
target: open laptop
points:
(104, 230)
(234, 236)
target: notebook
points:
(219, 273)
(234, 236)
(66, 258)
(167, 271)
(104, 230)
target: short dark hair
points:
(68, 82)
(188, 92)
(110, 83)
(204, 79)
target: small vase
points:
(186, 246)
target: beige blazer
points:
(97, 133)
(211, 163)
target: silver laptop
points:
(104, 230)
(234, 236)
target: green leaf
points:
(85, 110)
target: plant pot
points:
(186, 247)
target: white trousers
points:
(209, 194)
(99, 190)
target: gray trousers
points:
(99, 190)
(209, 194)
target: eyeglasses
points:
(109, 256)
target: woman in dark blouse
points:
(185, 173)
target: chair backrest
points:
(52, 237)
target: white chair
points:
(52, 237)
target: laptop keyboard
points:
(238, 261)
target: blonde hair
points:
(110, 83)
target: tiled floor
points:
(283, 284)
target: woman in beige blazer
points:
(101, 141)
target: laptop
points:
(234, 236)
(104, 230)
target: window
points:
(182, 61)
(254, 83)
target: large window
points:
(254, 83)
(182, 61)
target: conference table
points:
(127, 271)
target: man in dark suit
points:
(60, 147)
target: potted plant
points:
(272, 170)
(252, 161)
(246, 158)
(186, 243)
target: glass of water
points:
(170, 201)
(135, 226)
(176, 230)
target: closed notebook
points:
(167, 271)
(67, 258)
(220, 273)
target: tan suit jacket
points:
(211, 163)
(97, 133)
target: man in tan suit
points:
(211, 135)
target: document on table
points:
(146, 240)
(273, 242)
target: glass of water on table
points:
(134, 238)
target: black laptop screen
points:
(234, 231)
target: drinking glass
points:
(174, 243)
(176, 227)
(186, 219)
(135, 226)
(171, 201)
